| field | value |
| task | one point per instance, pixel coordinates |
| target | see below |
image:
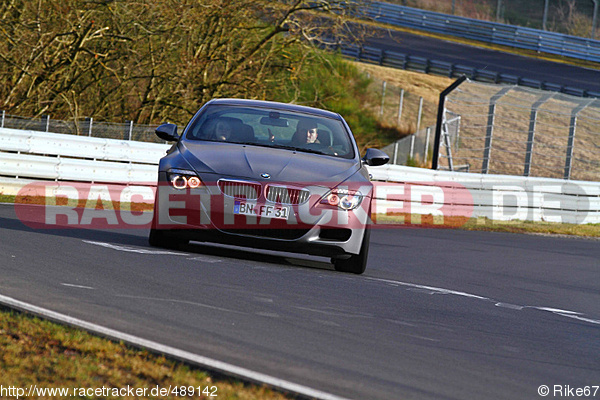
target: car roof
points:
(276, 105)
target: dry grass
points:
(415, 85)
(427, 86)
(485, 224)
(48, 355)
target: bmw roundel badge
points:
(265, 175)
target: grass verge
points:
(486, 224)
(49, 355)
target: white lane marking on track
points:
(435, 290)
(430, 289)
(230, 369)
(192, 303)
(206, 259)
(134, 249)
(77, 286)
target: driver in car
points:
(223, 131)
(306, 133)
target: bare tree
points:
(151, 60)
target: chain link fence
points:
(410, 113)
(86, 127)
(414, 150)
(514, 130)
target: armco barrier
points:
(35, 142)
(497, 197)
(25, 161)
(490, 32)
(60, 157)
(420, 64)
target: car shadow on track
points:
(133, 237)
(258, 255)
(139, 238)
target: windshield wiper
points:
(302, 149)
(282, 146)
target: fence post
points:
(90, 121)
(3, 116)
(545, 17)
(572, 130)
(448, 146)
(420, 113)
(594, 19)
(382, 98)
(499, 11)
(395, 158)
(457, 141)
(130, 129)
(400, 105)
(490, 128)
(440, 117)
(531, 136)
(45, 123)
(427, 144)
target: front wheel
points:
(357, 263)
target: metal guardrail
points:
(489, 32)
(497, 197)
(32, 142)
(453, 193)
(64, 157)
(425, 65)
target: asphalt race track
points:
(439, 314)
(491, 60)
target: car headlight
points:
(342, 198)
(183, 179)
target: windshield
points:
(272, 128)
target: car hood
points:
(247, 161)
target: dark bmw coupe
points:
(266, 175)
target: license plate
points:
(262, 210)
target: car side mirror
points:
(375, 157)
(167, 132)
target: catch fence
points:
(86, 127)
(513, 130)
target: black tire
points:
(357, 263)
(161, 238)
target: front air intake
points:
(286, 195)
(240, 189)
